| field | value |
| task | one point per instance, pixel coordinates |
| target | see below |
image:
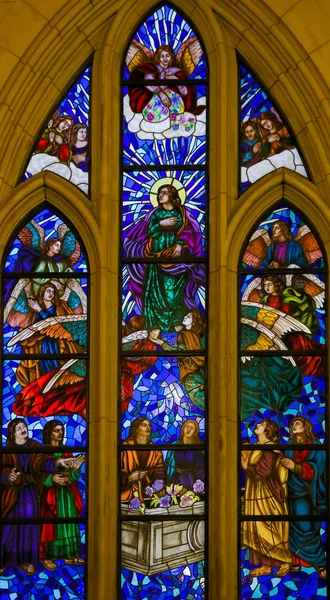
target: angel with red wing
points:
(167, 110)
(282, 250)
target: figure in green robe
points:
(61, 498)
(166, 288)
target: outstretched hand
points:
(154, 336)
(34, 305)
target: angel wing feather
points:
(137, 55)
(309, 243)
(258, 337)
(21, 285)
(32, 235)
(189, 55)
(252, 287)
(273, 319)
(64, 326)
(70, 245)
(257, 248)
(72, 371)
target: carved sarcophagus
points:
(153, 546)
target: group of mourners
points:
(39, 485)
(291, 483)
(262, 137)
(140, 468)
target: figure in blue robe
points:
(307, 497)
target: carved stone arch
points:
(284, 68)
(60, 195)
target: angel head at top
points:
(168, 110)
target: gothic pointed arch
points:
(164, 308)
(45, 363)
(282, 417)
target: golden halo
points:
(167, 181)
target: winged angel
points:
(46, 316)
(278, 312)
(163, 111)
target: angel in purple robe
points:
(163, 290)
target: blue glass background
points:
(166, 26)
(136, 196)
(50, 222)
(178, 150)
(294, 221)
(153, 399)
(74, 425)
(183, 583)
(311, 405)
(304, 585)
(66, 583)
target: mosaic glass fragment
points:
(161, 390)
(63, 146)
(267, 143)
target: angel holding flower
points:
(168, 109)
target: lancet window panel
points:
(163, 436)
(283, 408)
(44, 449)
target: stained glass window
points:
(63, 146)
(164, 270)
(267, 143)
(283, 411)
(44, 391)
